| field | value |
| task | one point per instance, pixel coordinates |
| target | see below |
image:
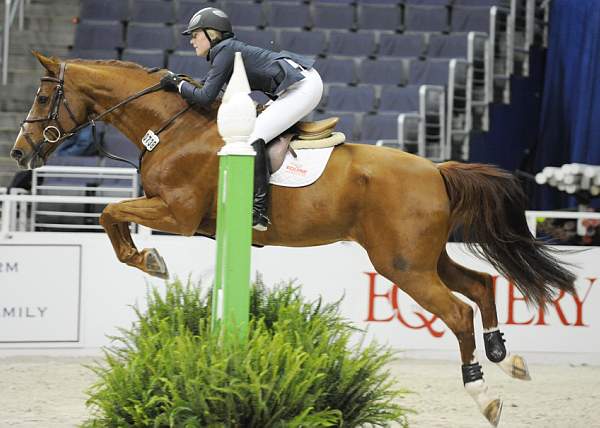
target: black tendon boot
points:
(260, 221)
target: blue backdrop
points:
(554, 115)
(569, 129)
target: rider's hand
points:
(170, 82)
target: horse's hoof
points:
(155, 264)
(493, 411)
(516, 367)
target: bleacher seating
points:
(333, 16)
(105, 10)
(378, 17)
(355, 44)
(152, 11)
(373, 55)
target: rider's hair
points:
(214, 34)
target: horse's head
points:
(55, 113)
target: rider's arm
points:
(217, 76)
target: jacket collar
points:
(213, 51)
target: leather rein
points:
(54, 132)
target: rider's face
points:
(200, 43)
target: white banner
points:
(39, 293)
(571, 326)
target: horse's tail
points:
(489, 204)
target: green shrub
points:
(297, 368)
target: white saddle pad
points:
(303, 170)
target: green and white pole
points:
(231, 294)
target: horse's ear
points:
(49, 64)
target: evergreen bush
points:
(297, 368)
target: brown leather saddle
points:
(304, 135)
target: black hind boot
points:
(260, 221)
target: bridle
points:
(54, 132)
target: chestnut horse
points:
(401, 208)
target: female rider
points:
(288, 78)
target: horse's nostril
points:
(16, 154)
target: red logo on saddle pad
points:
(293, 169)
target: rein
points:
(55, 133)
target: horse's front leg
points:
(153, 213)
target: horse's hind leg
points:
(478, 287)
(428, 291)
(153, 213)
(417, 276)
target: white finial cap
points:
(237, 113)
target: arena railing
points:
(458, 116)
(409, 127)
(501, 53)
(432, 123)
(62, 183)
(11, 7)
(478, 53)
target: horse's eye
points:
(42, 99)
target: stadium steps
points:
(48, 28)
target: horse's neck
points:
(135, 118)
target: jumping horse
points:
(399, 207)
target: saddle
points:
(304, 135)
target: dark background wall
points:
(554, 115)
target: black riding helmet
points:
(209, 18)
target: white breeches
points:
(293, 104)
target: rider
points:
(287, 77)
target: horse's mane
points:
(111, 63)
(210, 111)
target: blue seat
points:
(487, 3)
(334, 70)
(104, 10)
(429, 2)
(425, 18)
(336, 2)
(72, 161)
(94, 53)
(465, 18)
(262, 38)
(303, 42)
(379, 127)
(106, 36)
(150, 36)
(402, 45)
(429, 72)
(152, 11)
(182, 43)
(382, 72)
(288, 15)
(244, 13)
(398, 99)
(147, 58)
(358, 99)
(448, 46)
(186, 63)
(338, 16)
(360, 43)
(378, 17)
(118, 144)
(381, 2)
(187, 8)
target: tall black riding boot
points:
(260, 221)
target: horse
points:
(399, 207)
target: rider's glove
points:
(170, 82)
